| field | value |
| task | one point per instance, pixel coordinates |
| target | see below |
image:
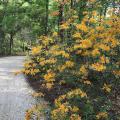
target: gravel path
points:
(15, 93)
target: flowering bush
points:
(81, 70)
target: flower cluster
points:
(81, 68)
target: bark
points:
(47, 17)
(11, 43)
(105, 11)
(60, 21)
(2, 37)
(71, 3)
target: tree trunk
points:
(71, 4)
(2, 37)
(47, 17)
(11, 43)
(105, 10)
(60, 21)
(81, 8)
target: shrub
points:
(80, 71)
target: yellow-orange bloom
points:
(102, 115)
(36, 50)
(98, 67)
(82, 27)
(107, 88)
(49, 77)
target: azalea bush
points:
(80, 71)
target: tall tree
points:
(47, 17)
